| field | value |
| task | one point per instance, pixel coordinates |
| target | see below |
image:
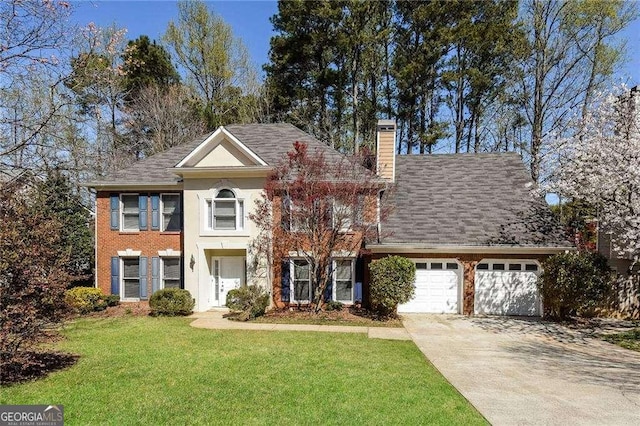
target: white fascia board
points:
(111, 186)
(200, 147)
(244, 148)
(224, 132)
(222, 171)
(410, 248)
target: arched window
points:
(225, 211)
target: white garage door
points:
(507, 288)
(437, 288)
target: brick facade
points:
(111, 241)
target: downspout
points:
(95, 236)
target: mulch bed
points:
(355, 315)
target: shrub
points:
(392, 283)
(171, 302)
(111, 299)
(575, 283)
(250, 302)
(334, 306)
(85, 299)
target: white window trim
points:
(121, 278)
(334, 280)
(121, 212)
(169, 253)
(162, 211)
(162, 278)
(292, 287)
(241, 220)
(129, 253)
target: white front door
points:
(227, 274)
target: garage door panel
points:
(506, 293)
(436, 291)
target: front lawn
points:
(628, 339)
(143, 370)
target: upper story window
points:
(225, 212)
(171, 212)
(129, 212)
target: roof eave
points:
(114, 185)
(488, 249)
(232, 171)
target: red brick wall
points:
(110, 242)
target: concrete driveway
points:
(520, 372)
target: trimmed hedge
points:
(392, 283)
(250, 302)
(574, 283)
(171, 302)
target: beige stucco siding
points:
(225, 154)
(201, 243)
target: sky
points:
(250, 22)
(249, 19)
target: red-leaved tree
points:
(316, 209)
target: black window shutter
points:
(285, 281)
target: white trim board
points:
(216, 135)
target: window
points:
(498, 267)
(515, 267)
(452, 265)
(225, 211)
(130, 278)
(130, 213)
(531, 267)
(343, 280)
(482, 266)
(342, 215)
(421, 265)
(301, 281)
(436, 265)
(170, 204)
(170, 272)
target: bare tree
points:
(163, 117)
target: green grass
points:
(155, 371)
(628, 339)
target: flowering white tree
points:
(600, 164)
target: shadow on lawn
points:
(34, 365)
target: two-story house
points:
(471, 222)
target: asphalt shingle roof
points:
(468, 200)
(270, 142)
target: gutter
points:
(422, 248)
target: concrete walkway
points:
(528, 372)
(215, 320)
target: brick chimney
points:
(386, 149)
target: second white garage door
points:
(437, 288)
(507, 288)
